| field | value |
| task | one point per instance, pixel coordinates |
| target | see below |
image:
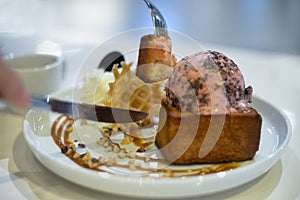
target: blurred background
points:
(271, 25)
(264, 25)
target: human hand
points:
(12, 87)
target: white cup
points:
(41, 73)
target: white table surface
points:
(274, 77)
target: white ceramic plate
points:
(276, 133)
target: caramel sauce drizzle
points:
(56, 134)
(64, 129)
(139, 142)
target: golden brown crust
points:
(155, 59)
(238, 140)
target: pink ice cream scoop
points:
(208, 83)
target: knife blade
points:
(87, 111)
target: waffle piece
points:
(182, 143)
(146, 96)
(129, 92)
(155, 61)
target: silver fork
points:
(159, 23)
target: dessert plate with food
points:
(205, 132)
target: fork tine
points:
(159, 23)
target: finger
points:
(12, 87)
